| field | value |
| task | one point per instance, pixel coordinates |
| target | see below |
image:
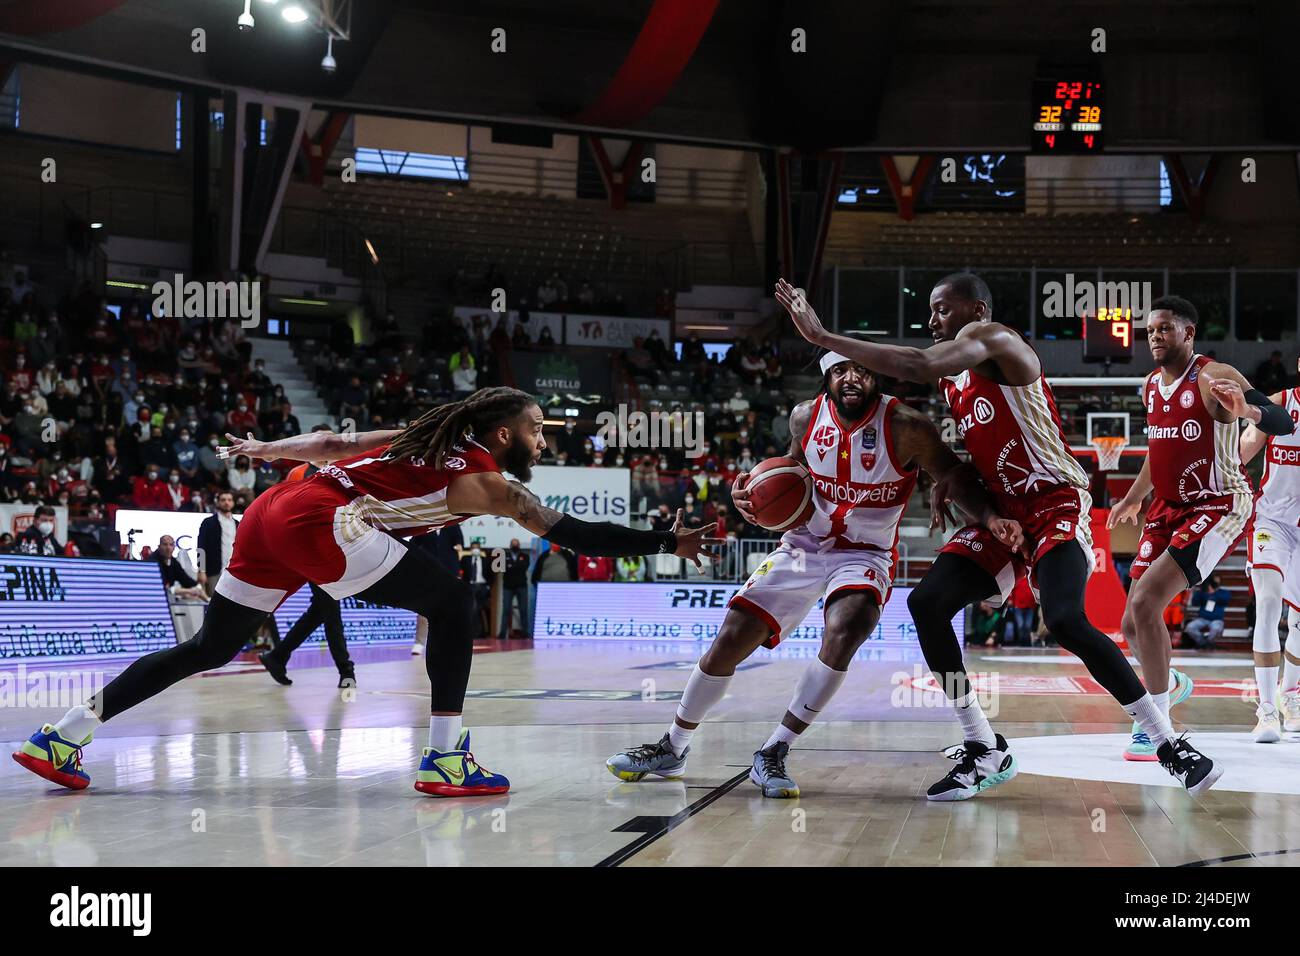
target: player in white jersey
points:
(1275, 572)
(863, 450)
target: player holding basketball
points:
(339, 529)
(863, 450)
(1275, 572)
(1203, 502)
(1005, 411)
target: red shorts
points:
(1048, 519)
(301, 531)
(1196, 535)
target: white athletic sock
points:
(702, 693)
(817, 685)
(78, 724)
(1153, 721)
(974, 725)
(1162, 702)
(1266, 678)
(782, 735)
(444, 733)
(1290, 669)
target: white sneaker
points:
(1268, 729)
(1291, 712)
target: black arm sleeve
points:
(605, 539)
(1273, 419)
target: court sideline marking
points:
(652, 828)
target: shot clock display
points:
(1108, 334)
(1067, 116)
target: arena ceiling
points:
(877, 74)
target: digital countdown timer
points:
(1108, 335)
(1067, 116)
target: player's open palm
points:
(740, 497)
(801, 310)
(1123, 510)
(690, 541)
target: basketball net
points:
(1109, 449)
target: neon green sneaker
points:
(48, 755)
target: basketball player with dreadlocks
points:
(1005, 412)
(864, 450)
(340, 529)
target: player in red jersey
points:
(1203, 502)
(1004, 409)
(341, 529)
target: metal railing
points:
(736, 560)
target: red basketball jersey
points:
(1013, 434)
(407, 497)
(1192, 456)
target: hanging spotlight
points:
(245, 21)
(294, 13)
(328, 64)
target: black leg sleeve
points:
(1062, 582)
(227, 627)
(952, 583)
(419, 583)
(334, 637)
(303, 627)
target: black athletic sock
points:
(952, 583)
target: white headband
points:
(831, 359)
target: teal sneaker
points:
(48, 755)
(1141, 748)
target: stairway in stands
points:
(283, 369)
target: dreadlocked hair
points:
(432, 435)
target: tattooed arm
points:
(490, 493)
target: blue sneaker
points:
(48, 755)
(457, 774)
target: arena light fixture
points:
(374, 256)
(329, 65)
(96, 225)
(245, 21)
(294, 13)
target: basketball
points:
(780, 490)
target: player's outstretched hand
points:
(1123, 510)
(249, 446)
(1008, 531)
(940, 513)
(740, 497)
(801, 310)
(690, 542)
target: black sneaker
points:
(979, 767)
(1195, 771)
(274, 668)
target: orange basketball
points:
(780, 489)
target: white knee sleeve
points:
(702, 693)
(817, 685)
(1268, 609)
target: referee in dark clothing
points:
(322, 610)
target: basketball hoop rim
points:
(1109, 449)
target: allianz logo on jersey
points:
(1189, 430)
(854, 493)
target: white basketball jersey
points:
(1279, 490)
(859, 490)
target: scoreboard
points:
(1108, 334)
(1067, 115)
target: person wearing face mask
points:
(21, 376)
(212, 465)
(149, 491)
(242, 420)
(476, 570)
(241, 475)
(39, 536)
(177, 493)
(570, 442)
(186, 455)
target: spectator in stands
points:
(545, 341)
(639, 364)
(177, 492)
(21, 377)
(149, 491)
(216, 541)
(663, 520)
(27, 428)
(283, 423)
(1205, 626)
(1272, 375)
(558, 564)
(186, 455)
(212, 467)
(39, 536)
(519, 339)
(240, 475)
(514, 590)
(595, 568)
(464, 373)
(242, 420)
(476, 571)
(630, 570)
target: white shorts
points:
(789, 582)
(1276, 544)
